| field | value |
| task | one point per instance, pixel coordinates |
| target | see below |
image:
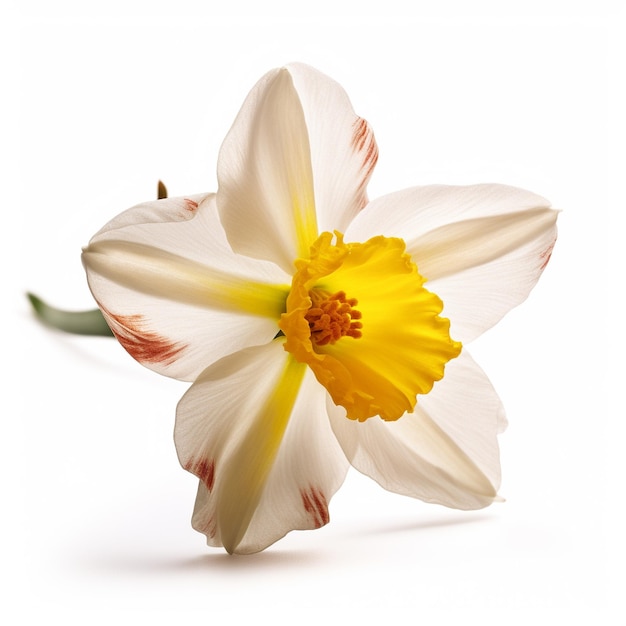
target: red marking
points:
(545, 255)
(191, 205)
(314, 503)
(141, 344)
(204, 470)
(208, 527)
(360, 134)
(363, 141)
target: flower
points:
(299, 310)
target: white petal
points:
(482, 248)
(268, 461)
(413, 212)
(265, 196)
(343, 148)
(166, 210)
(477, 298)
(446, 452)
(189, 227)
(462, 245)
(173, 291)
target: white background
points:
(109, 100)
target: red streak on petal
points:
(314, 503)
(204, 470)
(310, 509)
(545, 255)
(359, 134)
(143, 345)
(363, 142)
(191, 205)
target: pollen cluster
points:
(331, 317)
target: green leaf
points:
(76, 322)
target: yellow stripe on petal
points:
(265, 176)
(153, 271)
(359, 316)
(250, 464)
(291, 150)
(305, 221)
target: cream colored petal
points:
(445, 452)
(412, 213)
(482, 248)
(462, 245)
(254, 430)
(154, 272)
(265, 196)
(343, 148)
(188, 227)
(477, 298)
(173, 291)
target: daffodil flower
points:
(311, 321)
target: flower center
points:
(331, 317)
(391, 363)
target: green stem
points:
(76, 322)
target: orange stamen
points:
(331, 317)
